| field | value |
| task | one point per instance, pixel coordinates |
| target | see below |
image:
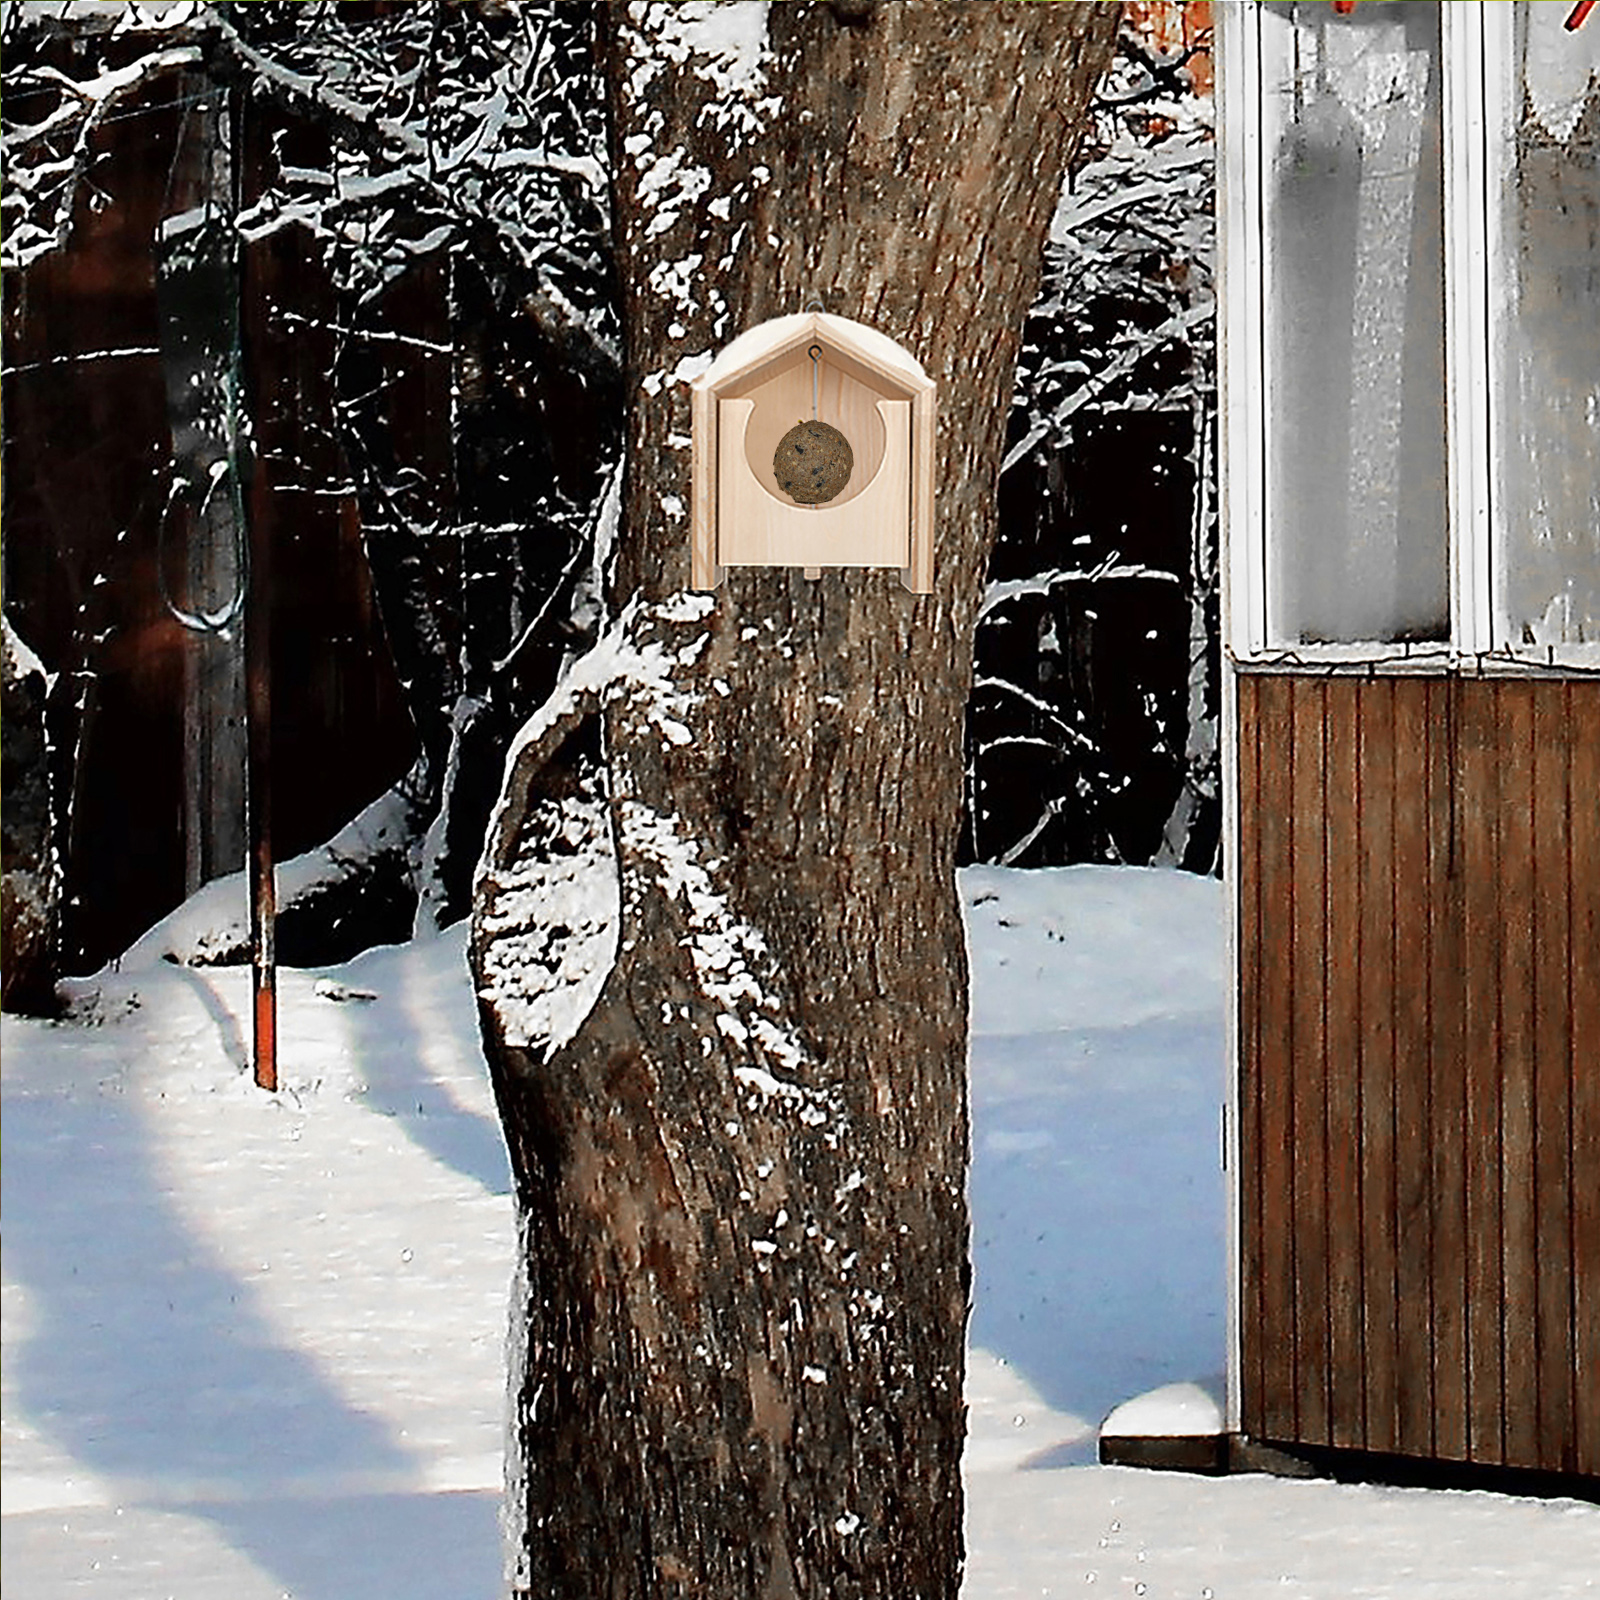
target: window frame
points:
(1478, 56)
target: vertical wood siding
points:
(1419, 1033)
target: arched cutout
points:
(841, 400)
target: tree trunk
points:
(717, 938)
(30, 883)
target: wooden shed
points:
(1410, 222)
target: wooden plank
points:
(1375, 870)
(1252, 1320)
(1518, 1200)
(1413, 1108)
(704, 573)
(1345, 698)
(1308, 1002)
(1478, 818)
(1552, 1079)
(1279, 1413)
(1447, 1093)
(917, 575)
(1583, 837)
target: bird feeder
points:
(813, 448)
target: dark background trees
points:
(725, 981)
(438, 386)
(409, 203)
(1092, 731)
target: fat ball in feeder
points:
(812, 463)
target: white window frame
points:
(1477, 47)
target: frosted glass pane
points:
(1353, 175)
(1547, 388)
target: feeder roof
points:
(771, 346)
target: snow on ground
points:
(253, 1344)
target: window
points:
(1412, 338)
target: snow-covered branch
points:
(1004, 590)
(446, 135)
(448, 130)
(46, 161)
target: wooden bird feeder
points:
(830, 370)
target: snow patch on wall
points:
(216, 918)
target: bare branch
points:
(40, 195)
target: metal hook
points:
(815, 352)
(815, 304)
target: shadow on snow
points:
(1098, 1212)
(154, 1366)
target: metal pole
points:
(258, 785)
(253, 286)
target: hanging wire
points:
(215, 622)
(815, 352)
(161, 107)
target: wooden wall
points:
(87, 444)
(1419, 1041)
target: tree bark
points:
(30, 883)
(717, 940)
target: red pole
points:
(1579, 12)
(258, 784)
(255, 284)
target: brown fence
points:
(1419, 1037)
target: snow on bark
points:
(515, 1552)
(726, 955)
(722, 41)
(548, 886)
(726, 46)
(549, 916)
(547, 893)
